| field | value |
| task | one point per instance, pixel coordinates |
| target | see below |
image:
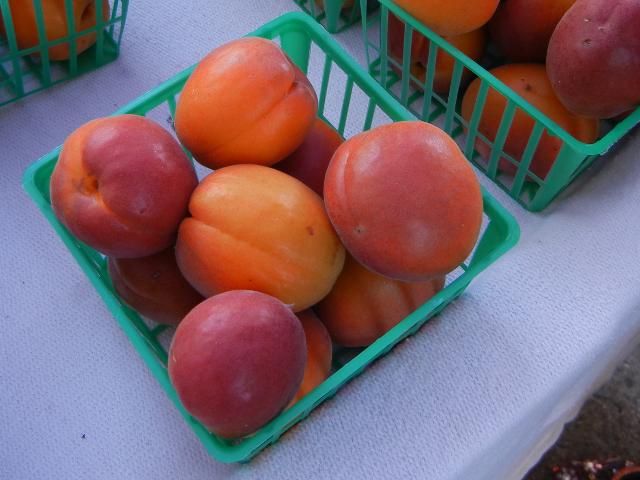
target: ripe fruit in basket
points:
(450, 17)
(404, 200)
(246, 102)
(310, 160)
(531, 83)
(594, 58)
(154, 286)
(319, 353)
(237, 360)
(254, 227)
(363, 306)
(472, 44)
(122, 185)
(55, 23)
(521, 29)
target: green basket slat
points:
(475, 118)
(501, 234)
(527, 158)
(39, 69)
(428, 82)
(532, 192)
(331, 14)
(344, 111)
(406, 64)
(453, 97)
(45, 77)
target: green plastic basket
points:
(312, 49)
(331, 14)
(27, 71)
(529, 190)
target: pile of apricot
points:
(294, 241)
(576, 61)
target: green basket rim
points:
(599, 147)
(280, 424)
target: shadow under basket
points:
(30, 70)
(417, 94)
(351, 101)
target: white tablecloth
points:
(478, 393)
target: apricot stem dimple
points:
(89, 185)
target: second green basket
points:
(418, 95)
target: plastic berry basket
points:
(532, 192)
(352, 101)
(30, 70)
(334, 15)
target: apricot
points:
(310, 160)
(246, 102)
(254, 227)
(450, 17)
(110, 187)
(594, 58)
(531, 83)
(236, 361)
(472, 44)
(362, 305)
(55, 24)
(319, 353)
(154, 287)
(521, 29)
(404, 200)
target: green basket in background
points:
(29, 70)
(352, 102)
(334, 15)
(531, 191)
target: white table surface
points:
(479, 393)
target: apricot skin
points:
(450, 17)
(593, 59)
(319, 353)
(363, 306)
(245, 102)
(531, 83)
(310, 160)
(404, 201)
(237, 360)
(154, 287)
(122, 186)
(254, 227)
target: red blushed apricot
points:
(55, 24)
(237, 360)
(404, 201)
(246, 102)
(472, 44)
(521, 29)
(362, 305)
(531, 83)
(122, 185)
(254, 227)
(310, 160)
(319, 353)
(154, 287)
(450, 17)
(593, 60)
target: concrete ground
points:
(607, 427)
